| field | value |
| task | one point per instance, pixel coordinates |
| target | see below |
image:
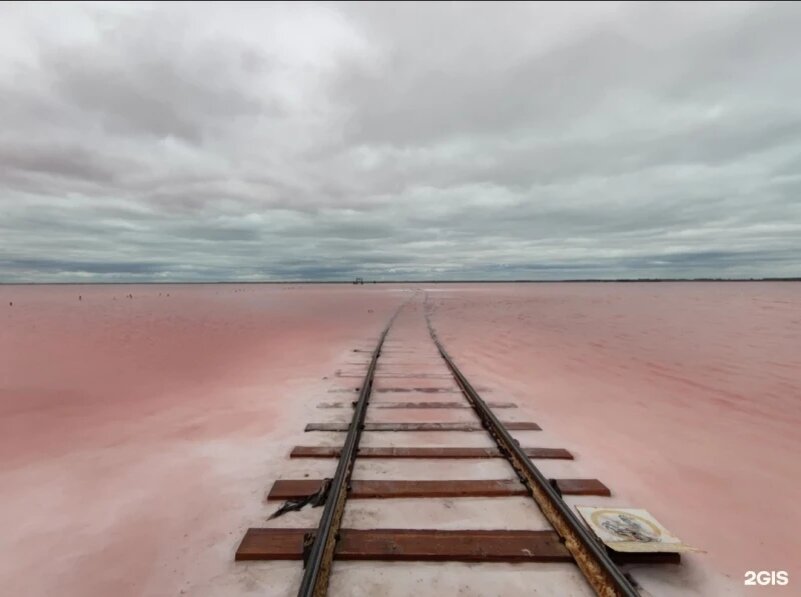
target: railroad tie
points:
(467, 426)
(425, 452)
(417, 405)
(426, 545)
(292, 489)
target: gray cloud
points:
(282, 141)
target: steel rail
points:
(590, 555)
(321, 555)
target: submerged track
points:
(569, 540)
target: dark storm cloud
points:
(284, 141)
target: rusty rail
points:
(601, 572)
(321, 555)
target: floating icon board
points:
(631, 530)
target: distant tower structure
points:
(359, 281)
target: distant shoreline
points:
(368, 282)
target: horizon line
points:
(465, 281)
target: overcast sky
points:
(326, 141)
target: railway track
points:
(436, 386)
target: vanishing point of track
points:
(569, 541)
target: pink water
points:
(685, 396)
(133, 432)
(137, 435)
